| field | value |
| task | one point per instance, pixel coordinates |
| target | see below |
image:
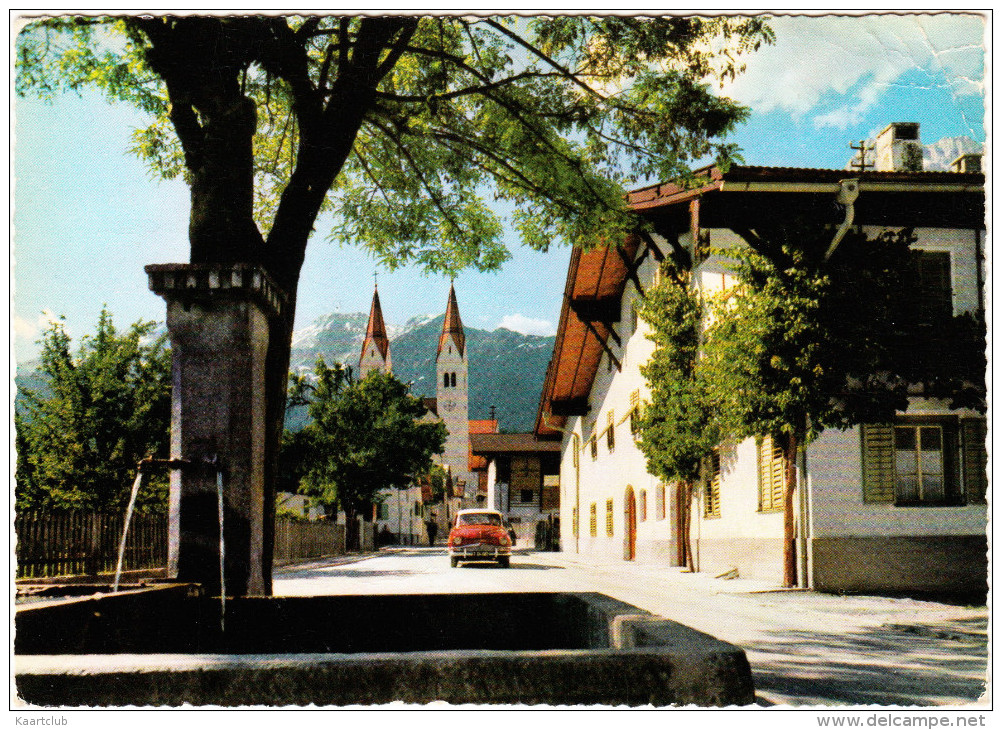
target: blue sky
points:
(88, 216)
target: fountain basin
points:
(164, 646)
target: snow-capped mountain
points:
(506, 368)
(940, 155)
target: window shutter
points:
(974, 434)
(711, 505)
(608, 518)
(593, 525)
(878, 462)
(771, 477)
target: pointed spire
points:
(452, 327)
(375, 334)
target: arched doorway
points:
(630, 521)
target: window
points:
(930, 271)
(711, 487)
(925, 461)
(527, 496)
(445, 380)
(574, 521)
(659, 502)
(610, 432)
(593, 442)
(771, 476)
(594, 520)
(608, 518)
(384, 511)
(642, 506)
(452, 380)
(634, 412)
(920, 474)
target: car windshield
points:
(480, 518)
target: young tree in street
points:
(402, 127)
(363, 437)
(677, 430)
(801, 344)
(82, 432)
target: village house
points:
(521, 476)
(879, 507)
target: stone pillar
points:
(218, 322)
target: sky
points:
(88, 216)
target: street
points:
(804, 648)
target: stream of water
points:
(125, 530)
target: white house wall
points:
(608, 476)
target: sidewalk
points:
(810, 648)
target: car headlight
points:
(457, 540)
(503, 540)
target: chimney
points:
(898, 148)
(966, 163)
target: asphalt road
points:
(806, 649)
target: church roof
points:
(453, 325)
(376, 331)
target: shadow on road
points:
(514, 566)
(884, 665)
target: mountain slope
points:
(506, 368)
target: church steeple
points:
(452, 327)
(376, 347)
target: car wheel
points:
(454, 562)
(504, 562)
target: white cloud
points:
(26, 329)
(859, 57)
(527, 325)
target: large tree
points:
(802, 343)
(93, 415)
(677, 427)
(364, 437)
(403, 127)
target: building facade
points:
(893, 506)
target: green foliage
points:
(363, 437)
(80, 436)
(439, 116)
(677, 429)
(800, 344)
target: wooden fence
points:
(295, 540)
(86, 543)
(52, 544)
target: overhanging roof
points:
(738, 198)
(488, 444)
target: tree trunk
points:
(789, 525)
(683, 522)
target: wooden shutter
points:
(878, 462)
(594, 520)
(711, 504)
(974, 433)
(771, 477)
(608, 517)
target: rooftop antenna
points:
(493, 417)
(863, 148)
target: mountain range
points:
(506, 368)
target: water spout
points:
(125, 530)
(222, 553)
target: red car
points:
(480, 534)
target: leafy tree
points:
(801, 344)
(364, 437)
(677, 429)
(404, 127)
(81, 434)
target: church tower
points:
(376, 347)
(453, 398)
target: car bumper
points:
(480, 552)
